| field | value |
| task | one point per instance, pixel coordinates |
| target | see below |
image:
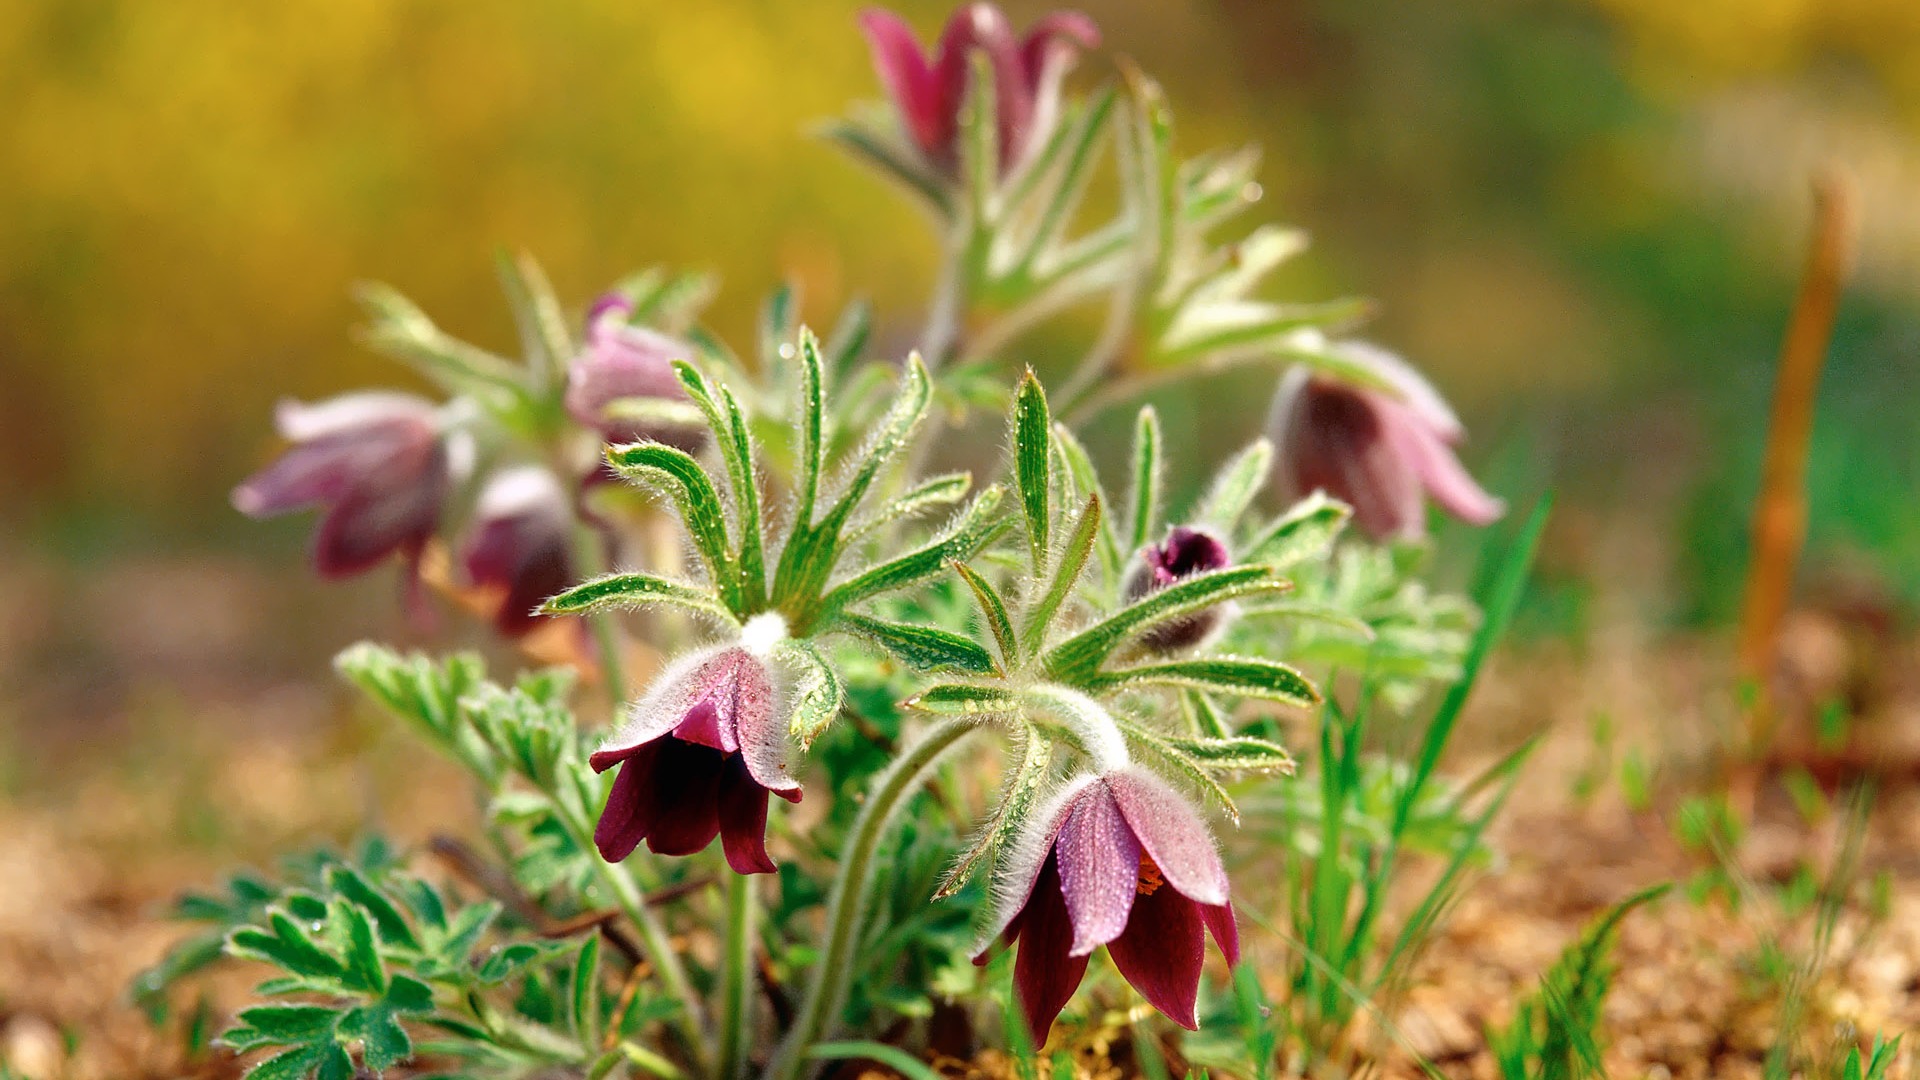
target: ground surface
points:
(148, 753)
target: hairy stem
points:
(592, 562)
(847, 903)
(736, 974)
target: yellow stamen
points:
(1149, 876)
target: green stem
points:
(606, 636)
(736, 988)
(655, 942)
(847, 903)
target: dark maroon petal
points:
(1045, 973)
(383, 515)
(1225, 929)
(743, 820)
(1047, 53)
(1336, 442)
(984, 27)
(306, 474)
(1099, 865)
(628, 815)
(686, 798)
(1160, 953)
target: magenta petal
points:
(1045, 973)
(1172, 833)
(759, 730)
(1161, 953)
(702, 725)
(686, 798)
(629, 811)
(1099, 866)
(909, 80)
(307, 473)
(1225, 928)
(743, 821)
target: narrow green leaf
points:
(284, 944)
(1266, 679)
(974, 529)
(923, 648)
(544, 338)
(817, 692)
(993, 610)
(675, 472)
(942, 490)
(1204, 717)
(1236, 753)
(383, 1042)
(890, 159)
(1073, 559)
(365, 969)
(1177, 759)
(1306, 531)
(1235, 486)
(1079, 657)
(1019, 794)
(716, 404)
(265, 1025)
(633, 589)
(398, 328)
(810, 419)
(1086, 480)
(1143, 507)
(584, 996)
(776, 330)
(963, 699)
(1079, 143)
(1032, 429)
(849, 339)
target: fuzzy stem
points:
(657, 943)
(606, 635)
(736, 988)
(847, 904)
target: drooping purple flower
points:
(1121, 860)
(379, 463)
(519, 544)
(623, 362)
(929, 89)
(1382, 452)
(1187, 550)
(697, 758)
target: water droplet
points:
(1251, 192)
(786, 351)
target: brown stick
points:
(1780, 513)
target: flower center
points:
(1149, 876)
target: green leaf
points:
(365, 970)
(811, 418)
(1266, 679)
(993, 610)
(1019, 794)
(268, 1025)
(1143, 507)
(923, 648)
(1073, 559)
(1078, 142)
(973, 530)
(327, 1061)
(1204, 717)
(942, 490)
(509, 961)
(544, 338)
(401, 330)
(1032, 451)
(776, 330)
(284, 944)
(354, 886)
(817, 693)
(1235, 486)
(1079, 657)
(1085, 479)
(1306, 531)
(849, 337)
(954, 699)
(722, 413)
(1236, 753)
(584, 992)
(1180, 762)
(892, 159)
(383, 1042)
(634, 589)
(675, 472)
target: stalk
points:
(736, 988)
(606, 636)
(847, 903)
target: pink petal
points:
(984, 27)
(1099, 863)
(761, 728)
(909, 80)
(1017, 868)
(663, 707)
(1161, 953)
(743, 821)
(1413, 388)
(1046, 973)
(1444, 478)
(1172, 834)
(1047, 53)
(348, 413)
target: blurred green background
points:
(1583, 217)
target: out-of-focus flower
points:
(1118, 859)
(1380, 451)
(520, 544)
(380, 463)
(697, 757)
(623, 370)
(1187, 550)
(929, 90)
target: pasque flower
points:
(1380, 450)
(1119, 859)
(380, 464)
(1187, 550)
(623, 362)
(699, 754)
(929, 89)
(520, 544)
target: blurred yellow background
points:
(1581, 215)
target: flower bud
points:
(1187, 550)
(1381, 452)
(622, 362)
(520, 544)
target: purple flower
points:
(930, 89)
(697, 757)
(381, 465)
(623, 362)
(1380, 451)
(1187, 550)
(1119, 860)
(520, 544)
